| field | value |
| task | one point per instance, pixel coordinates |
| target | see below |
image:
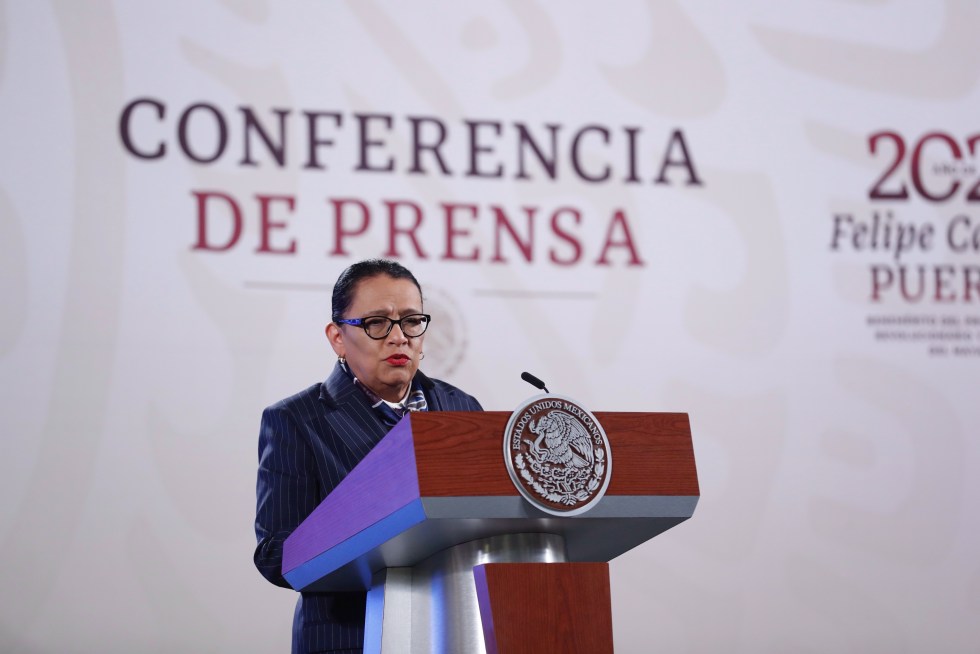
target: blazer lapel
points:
(433, 397)
(349, 415)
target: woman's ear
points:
(336, 338)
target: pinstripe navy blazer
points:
(307, 444)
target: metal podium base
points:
(432, 608)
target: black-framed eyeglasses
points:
(378, 327)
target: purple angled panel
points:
(381, 484)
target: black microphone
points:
(534, 381)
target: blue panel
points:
(374, 613)
(356, 546)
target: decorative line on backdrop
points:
(288, 286)
(555, 295)
(485, 292)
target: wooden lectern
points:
(456, 560)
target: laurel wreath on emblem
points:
(566, 469)
(562, 490)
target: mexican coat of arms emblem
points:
(557, 455)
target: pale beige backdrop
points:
(838, 470)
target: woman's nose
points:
(398, 337)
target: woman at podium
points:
(310, 441)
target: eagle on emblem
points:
(565, 441)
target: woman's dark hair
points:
(343, 289)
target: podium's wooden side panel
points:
(653, 453)
(461, 455)
(545, 607)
